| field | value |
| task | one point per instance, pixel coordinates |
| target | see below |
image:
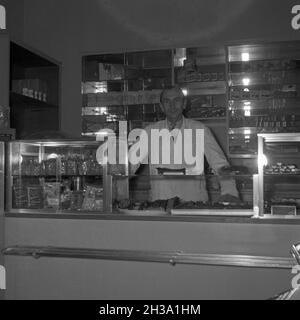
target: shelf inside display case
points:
(34, 91)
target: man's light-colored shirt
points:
(191, 187)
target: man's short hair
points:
(175, 87)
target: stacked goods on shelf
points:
(108, 71)
(60, 183)
(204, 107)
(64, 166)
(188, 75)
(176, 203)
(122, 98)
(280, 168)
(4, 117)
(33, 88)
(286, 91)
(57, 196)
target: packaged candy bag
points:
(52, 195)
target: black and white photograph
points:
(150, 153)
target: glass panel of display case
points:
(263, 93)
(189, 200)
(54, 177)
(201, 73)
(123, 86)
(282, 178)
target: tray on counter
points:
(136, 212)
(214, 212)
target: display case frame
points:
(262, 139)
(2, 178)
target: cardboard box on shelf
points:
(34, 88)
(111, 72)
(122, 98)
(4, 117)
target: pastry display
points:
(280, 168)
(177, 203)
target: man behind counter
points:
(173, 103)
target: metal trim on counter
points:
(173, 258)
(270, 220)
(2, 178)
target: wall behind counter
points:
(14, 17)
(65, 29)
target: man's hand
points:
(230, 199)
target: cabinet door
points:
(4, 102)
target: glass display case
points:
(56, 177)
(279, 174)
(190, 197)
(264, 94)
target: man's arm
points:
(217, 160)
(138, 152)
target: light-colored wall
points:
(94, 279)
(65, 30)
(15, 30)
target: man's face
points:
(173, 103)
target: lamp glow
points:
(262, 160)
(185, 92)
(245, 56)
(52, 156)
(246, 81)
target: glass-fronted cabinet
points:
(127, 86)
(263, 93)
(124, 86)
(55, 177)
(180, 194)
(279, 174)
(201, 72)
